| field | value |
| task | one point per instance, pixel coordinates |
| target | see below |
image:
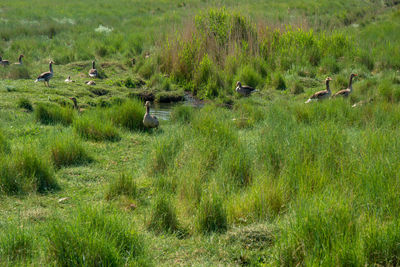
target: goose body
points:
(90, 83)
(320, 95)
(4, 62)
(68, 80)
(46, 76)
(93, 71)
(19, 60)
(149, 121)
(362, 103)
(244, 90)
(346, 92)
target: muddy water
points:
(163, 110)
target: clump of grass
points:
(25, 104)
(18, 72)
(53, 114)
(181, 113)
(297, 88)
(123, 184)
(168, 97)
(278, 81)
(129, 115)
(381, 244)
(249, 76)
(25, 171)
(67, 151)
(4, 146)
(211, 216)
(163, 215)
(237, 165)
(95, 238)
(16, 244)
(94, 127)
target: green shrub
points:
(123, 184)
(95, 238)
(211, 216)
(95, 127)
(52, 114)
(68, 150)
(129, 115)
(25, 104)
(163, 215)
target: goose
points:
(93, 71)
(46, 76)
(90, 83)
(362, 103)
(4, 62)
(68, 80)
(348, 90)
(149, 121)
(76, 105)
(244, 90)
(19, 60)
(320, 95)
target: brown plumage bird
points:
(4, 62)
(76, 105)
(348, 90)
(19, 60)
(149, 121)
(320, 95)
(244, 90)
(93, 72)
(46, 76)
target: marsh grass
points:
(16, 245)
(25, 104)
(98, 235)
(96, 127)
(68, 150)
(163, 216)
(123, 184)
(53, 114)
(211, 216)
(183, 114)
(4, 145)
(25, 171)
(129, 115)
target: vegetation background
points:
(265, 180)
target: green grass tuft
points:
(163, 215)
(68, 150)
(95, 127)
(129, 115)
(53, 114)
(123, 184)
(25, 104)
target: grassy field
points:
(262, 181)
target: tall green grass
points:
(16, 245)
(53, 114)
(123, 184)
(129, 115)
(96, 127)
(68, 150)
(95, 238)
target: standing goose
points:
(320, 95)
(19, 60)
(244, 90)
(93, 71)
(76, 105)
(46, 76)
(4, 62)
(348, 90)
(149, 121)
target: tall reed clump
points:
(53, 114)
(163, 216)
(26, 171)
(94, 126)
(68, 150)
(123, 184)
(129, 115)
(16, 245)
(97, 237)
(211, 215)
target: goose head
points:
(21, 56)
(73, 99)
(147, 104)
(328, 79)
(239, 84)
(353, 75)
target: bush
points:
(163, 215)
(25, 104)
(95, 238)
(94, 127)
(129, 115)
(53, 114)
(122, 185)
(67, 151)
(211, 216)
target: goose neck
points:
(148, 109)
(51, 67)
